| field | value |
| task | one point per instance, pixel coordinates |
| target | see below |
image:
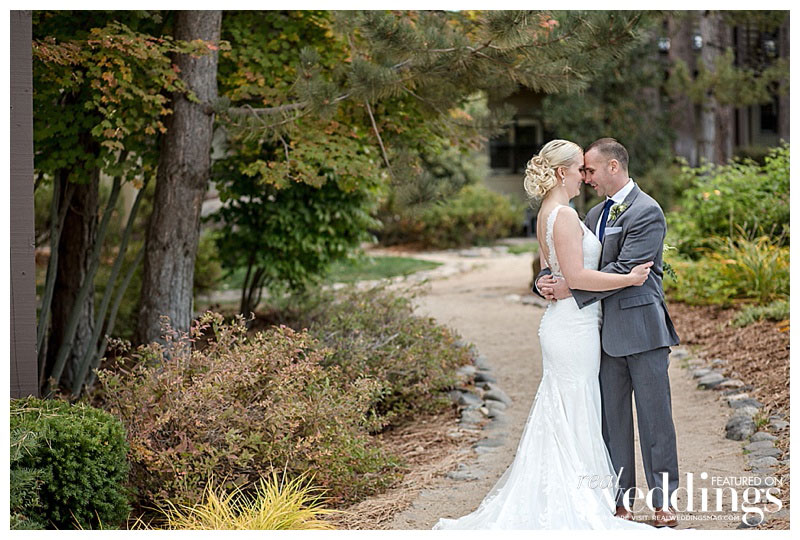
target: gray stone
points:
(778, 425)
(777, 416)
(732, 391)
(736, 396)
(702, 372)
(496, 405)
(716, 362)
(461, 475)
(762, 436)
(679, 353)
(468, 370)
(491, 442)
(711, 380)
(496, 393)
(482, 362)
(497, 415)
(767, 452)
(745, 402)
(469, 399)
(482, 376)
(761, 462)
(783, 513)
(756, 445)
(739, 428)
(747, 411)
(499, 424)
(471, 416)
(751, 520)
(765, 471)
(731, 383)
(484, 449)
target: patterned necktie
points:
(606, 208)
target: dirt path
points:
(478, 305)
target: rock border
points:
(747, 422)
(482, 404)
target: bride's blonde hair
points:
(540, 172)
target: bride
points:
(561, 477)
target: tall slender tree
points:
(181, 184)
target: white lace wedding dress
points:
(561, 477)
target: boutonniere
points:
(616, 210)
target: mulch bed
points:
(757, 354)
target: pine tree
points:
(438, 60)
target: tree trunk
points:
(74, 258)
(783, 99)
(726, 123)
(182, 180)
(707, 127)
(682, 111)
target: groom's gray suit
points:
(636, 335)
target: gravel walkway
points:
(483, 294)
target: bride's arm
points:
(568, 240)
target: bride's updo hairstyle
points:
(540, 172)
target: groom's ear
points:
(613, 166)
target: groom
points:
(636, 332)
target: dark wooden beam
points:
(24, 377)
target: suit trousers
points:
(644, 374)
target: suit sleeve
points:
(642, 243)
(543, 272)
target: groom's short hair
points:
(612, 149)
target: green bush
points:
(241, 408)
(775, 311)
(79, 455)
(744, 270)
(474, 216)
(665, 183)
(25, 482)
(722, 199)
(207, 268)
(373, 333)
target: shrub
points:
(294, 505)
(665, 182)
(25, 482)
(775, 311)
(374, 333)
(80, 458)
(241, 408)
(722, 198)
(749, 270)
(207, 268)
(475, 215)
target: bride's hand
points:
(639, 273)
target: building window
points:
(769, 117)
(511, 151)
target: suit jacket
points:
(635, 319)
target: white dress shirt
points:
(617, 197)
